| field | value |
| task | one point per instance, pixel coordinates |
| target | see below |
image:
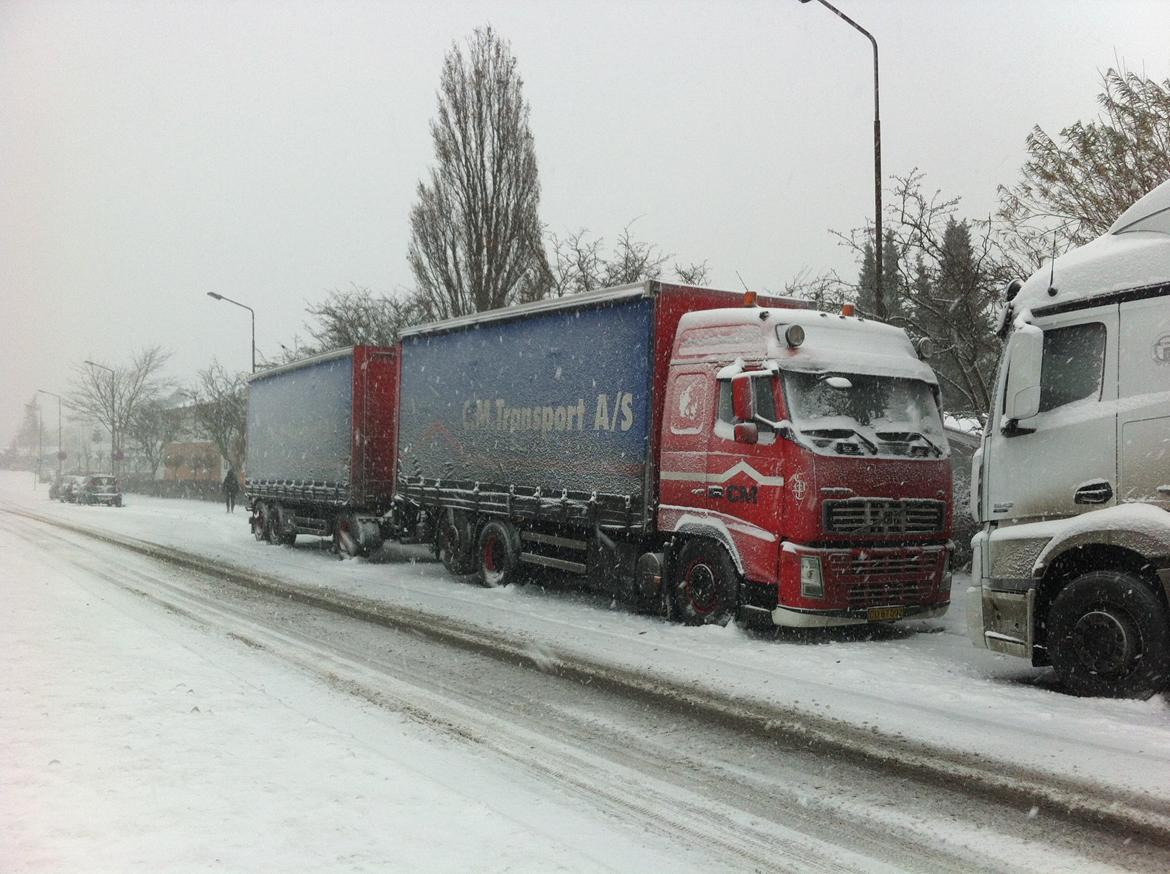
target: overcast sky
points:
(152, 152)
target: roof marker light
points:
(847, 309)
(749, 298)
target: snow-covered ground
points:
(132, 740)
(923, 681)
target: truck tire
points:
(1109, 636)
(262, 523)
(283, 530)
(455, 543)
(705, 589)
(345, 539)
(497, 554)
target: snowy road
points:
(919, 687)
(162, 718)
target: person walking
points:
(231, 488)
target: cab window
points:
(765, 401)
(1072, 365)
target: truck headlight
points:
(812, 585)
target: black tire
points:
(262, 523)
(455, 543)
(705, 584)
(283, 531)
(1108, 636)
(497, 554)
(345, 542)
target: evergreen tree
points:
(891, 281)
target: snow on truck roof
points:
(320, 358)
(1134, 253)
(832, 343)
(648, 288)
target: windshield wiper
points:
(907, 436)
(844, 432)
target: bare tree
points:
(475, 232)
(151, 427)
(579, 262)
(943, 280)
(112, 397)
(695, 273)
(220, 407)
(1072, 189)
(826, 291)
(26, 440)
(356, 315)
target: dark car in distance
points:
(100, 489)
(67, 490)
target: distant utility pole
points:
(879, 299)
(113, 412)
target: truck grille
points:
(874, 580)
(876, 516)
(883, 594)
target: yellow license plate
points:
(884, 614)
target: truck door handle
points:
(715, 491)
(1099, 492)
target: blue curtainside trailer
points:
(556, 405)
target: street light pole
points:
(215, 296)
(113, 413)
(60, 445)
(879, 300)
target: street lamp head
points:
(214, 296)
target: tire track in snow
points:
(1077, 802)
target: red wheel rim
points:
(490, 560)
(701, 588)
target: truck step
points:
(560, 564)
(554, 540)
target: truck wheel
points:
(345, 539)
(706, 584)
(262, 523)
(498, 554)
(1108, 635)
(454, 543)
(282, 530)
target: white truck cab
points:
(1071, 485)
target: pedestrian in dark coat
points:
(231, 488)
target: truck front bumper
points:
(999, 611)
(787, 617)
(859, 585)
(1001, 621)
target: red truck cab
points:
(811, 446)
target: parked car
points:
(69, 486)
(100, 489)
(56, 486)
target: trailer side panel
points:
(555, 404)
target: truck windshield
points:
(861, 414)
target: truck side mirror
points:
(1025, 353)
(747, 432)
(743, 405)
